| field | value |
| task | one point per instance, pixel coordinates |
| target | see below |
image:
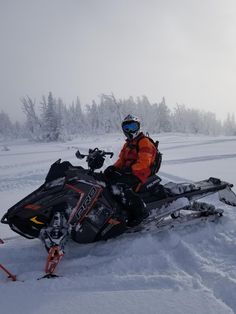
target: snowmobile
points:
(78, 203)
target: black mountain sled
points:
(76, 203)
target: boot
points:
(137, 210)
(132, 222)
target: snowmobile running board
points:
(167, 223)
(189, 220)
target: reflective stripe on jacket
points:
(139, 154)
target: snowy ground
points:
(184, 271)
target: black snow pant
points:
(123, 186)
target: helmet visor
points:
(130, 126)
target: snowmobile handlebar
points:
(95, 157)
(102, 153)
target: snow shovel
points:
(10, 275)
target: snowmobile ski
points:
(54, 256)
(49, 276)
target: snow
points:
(192, 270)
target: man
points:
(133, 168)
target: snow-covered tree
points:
(6, 127)
(179, 118)
(59, 121)
(33, 124)
(163, 113)
(93, 117)
(109, 113)
(51, 120)
(79, 119)
(229, 125)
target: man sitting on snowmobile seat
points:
(132, 169)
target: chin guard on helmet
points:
(131, 126)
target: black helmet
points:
(131, 126)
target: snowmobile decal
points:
(113, 221)
(34, 219)
(32, 206)
(81, 196)
(84, 204)
(87, 203)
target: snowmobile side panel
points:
(194, 191)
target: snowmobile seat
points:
(150, 185)
(173, 188)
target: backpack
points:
(158, 159)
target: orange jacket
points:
(139, 154)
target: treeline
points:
(9, 129)
(53, 120)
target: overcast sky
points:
(184, 50)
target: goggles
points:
(132, 126)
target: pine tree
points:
(164, 116)
(229, 125)
(51, 120)
(6, 127)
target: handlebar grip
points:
(109, 153)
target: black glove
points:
(126, 170)
(109, 170)
(95, 160)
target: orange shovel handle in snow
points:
(10, 275)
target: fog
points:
(184, 50)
